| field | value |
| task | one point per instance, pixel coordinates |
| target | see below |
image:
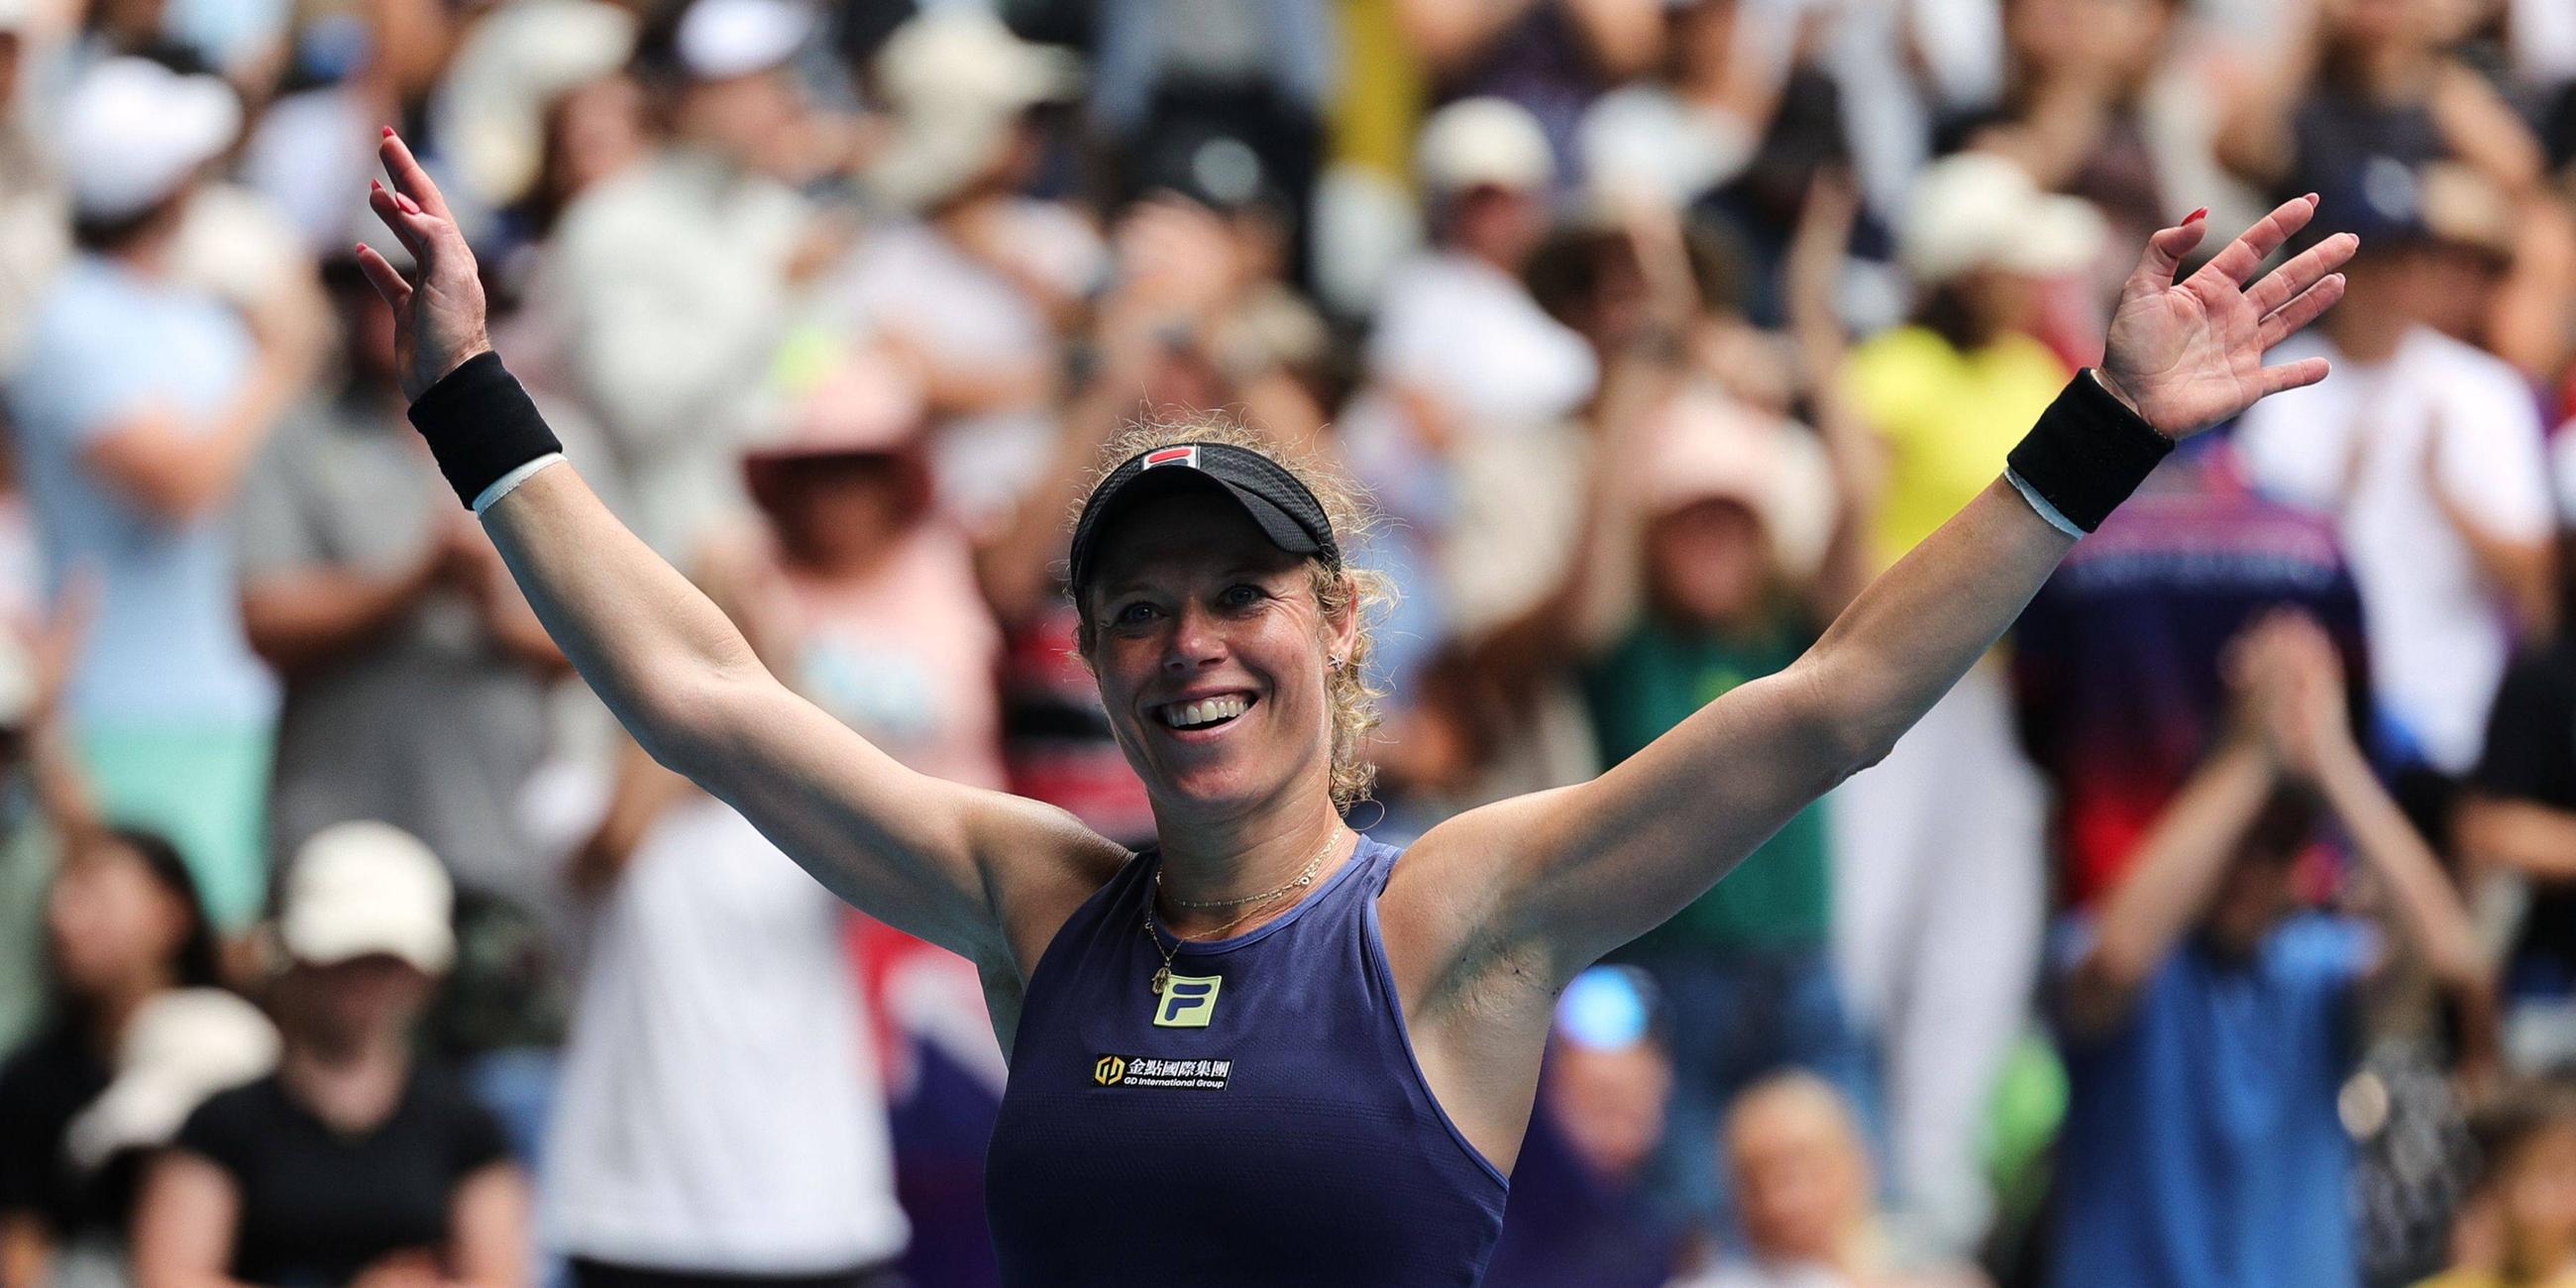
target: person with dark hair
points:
(1269, 1050)
(2209, 1024)
(122, 927)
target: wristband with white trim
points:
(508, 483)
(484, 430)
(2085, 456)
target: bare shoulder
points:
(1038, 863)
(1446, 908)
(1477, 992)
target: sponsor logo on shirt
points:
(1151, 1071)
(1187, 1002)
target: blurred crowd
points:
(2219, 929)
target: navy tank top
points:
(1263, 1122)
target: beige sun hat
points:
(1711, 447)
(512, 66)
(955, 82)
(859, 400)
(1977, 210)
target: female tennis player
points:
(1268, 1050)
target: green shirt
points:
(1654, 678)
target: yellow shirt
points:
(1947, 419)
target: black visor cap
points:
(1266, 492)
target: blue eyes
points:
(1238, 596)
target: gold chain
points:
(1163, 975)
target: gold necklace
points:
(1163, 973)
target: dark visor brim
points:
(1280, 527)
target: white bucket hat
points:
(362, 888)
(134, 132)
(1978, 210)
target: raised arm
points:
(2317, 745)
(986, 875)
(2178, 867)
(1570, 874)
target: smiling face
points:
(1212, 656)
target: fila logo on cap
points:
(1188, 456)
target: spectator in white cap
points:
(1467, 376)
(981, 283)
(1939, 908)
(668, 283)
(353, 1162)
(138, 406)
(1459, 343)
(122, 928)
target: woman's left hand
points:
(2186, 355)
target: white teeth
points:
(1185, 715)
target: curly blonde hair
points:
(1364, 594)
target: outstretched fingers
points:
(2292, 375)
(383, 276)
(2286, 321)
(389, 211)
(410, 180)
(2285, 283)
(2237, 263)
(2166, 248)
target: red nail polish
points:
(389, 131)
(2202, 213)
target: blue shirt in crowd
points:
(109, 344)
(2202, 1148)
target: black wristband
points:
(480, 425)
(2087, 453)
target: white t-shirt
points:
(722, 1108)
(1468, 332)
(2355, 445)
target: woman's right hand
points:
(438, 320)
